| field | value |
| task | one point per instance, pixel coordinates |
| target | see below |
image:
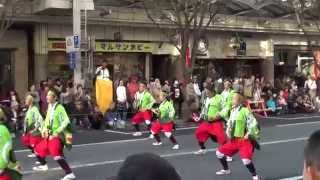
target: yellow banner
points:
(124, 47)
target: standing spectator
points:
(196, 86)
(58, 86)
(166, 87)
(248, 87)
(79, 94)
(133, 87)
(155, 88)
(204, 93)
(192, 98)
(44, 89)
(177, 97)
(311, 86)
(257, 91)
(237, 86)
(35, 94)
(122, 100)
(218, 84)
(67, 98)
(15, 108)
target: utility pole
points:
(78, 79)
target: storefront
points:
(125, 59)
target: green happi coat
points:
(146, 101)
(214, 107)
(7, 159)
(33, 121)
(166, 112)
(226, 103)
(57, 123)
(242, 121)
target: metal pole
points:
(77, 31)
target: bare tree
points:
(307, 15)
(8, 10)
(184, 23)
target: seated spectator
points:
(80, 115)
(292, 101)
(147, 166)
(282, 102)
(305, 104)
(271, 104)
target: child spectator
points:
(282, 102)
(271, 104)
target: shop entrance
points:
(161, 67)
(6, 69)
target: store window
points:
(58, 65)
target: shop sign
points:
(57, 46)
(124, 47)
(72, 43)
(72, 60)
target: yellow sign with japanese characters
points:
(124, 47)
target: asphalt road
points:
(99, 154)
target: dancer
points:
(56, 134)
(165, 123)
(9, 166)
(32, 125)
(144, 103)
(243, 131)
(211, 126)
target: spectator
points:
(248, 87)
(282, 102)
(311, 86)
(267, 90)
(133, 87)
(177, 97)
(67, 98)
(294, 86)
(58, 86)
(192, 99)
(166, 87)
(271, 104)
(286, 93)
(147, 166)
(237, 86)
(35, 94)
(122, 100)
(15, 110)
(44, 89)
(218, 84)
(196, 86)
(257, 91)
(203, 94)
(308, 104)
(79, 94)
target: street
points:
(281, 155)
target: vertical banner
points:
(72, 60)
(188, 57)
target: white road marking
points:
(297, 124)
(293, 178)
(145, 132)
(117, 132)
(164, 155)
(293, 118)
(93, 144)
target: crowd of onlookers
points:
(289, 95)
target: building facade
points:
(133, 46)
